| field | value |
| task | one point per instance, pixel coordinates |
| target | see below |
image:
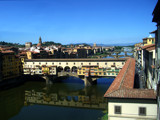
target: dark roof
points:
(156, 13)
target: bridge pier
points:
(49, 79)
(88, 81)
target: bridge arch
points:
(60, 68)
(74, 69)
(67, 69)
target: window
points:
(117, 109)
(66, 63)
(89, 63)
(81, 63)
(142, 111)
(74, 63)
(39, 63)
(122, 63)
(33, 62)
(59, 63)
(97, 63)
(105, 63)
(52, 63)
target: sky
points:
(76, 21)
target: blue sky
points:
(76, 21)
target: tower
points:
(40, 40)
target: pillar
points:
(88, 81)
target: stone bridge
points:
(51, 68)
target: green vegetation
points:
(11, 44)
(118, 47)
(105, 117)
(48, 43)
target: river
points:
(34, 100)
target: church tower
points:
(40, 40)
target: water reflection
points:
(11, 102)
(88, 97)
(60, 101)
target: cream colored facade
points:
(130, 111)
(40, 69)
(104, 63)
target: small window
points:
(142, 111)
(117, 109)
(97, 63)
(114, 63)
(33, 62)
(59, 63)
(89, 63)
(122, 63)
(46, 63)
(74, 63)
(39, 63)
(81, 63)
(105, 63)
(66, 63)
(52, 63)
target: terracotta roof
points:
(134, 93)
(148, 46)
(8, 51)
(123, 85)
(151, 48)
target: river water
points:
(35, 100)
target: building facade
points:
(10, 65)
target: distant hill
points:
(105, 45)
(11, 44)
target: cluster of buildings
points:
(59, 51)
(145, 55)
(12, 58)
(10, 65)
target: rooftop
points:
(123, 85)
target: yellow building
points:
(10, 65)
(149, 40)
(95, 70)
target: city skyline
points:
(80, 21)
